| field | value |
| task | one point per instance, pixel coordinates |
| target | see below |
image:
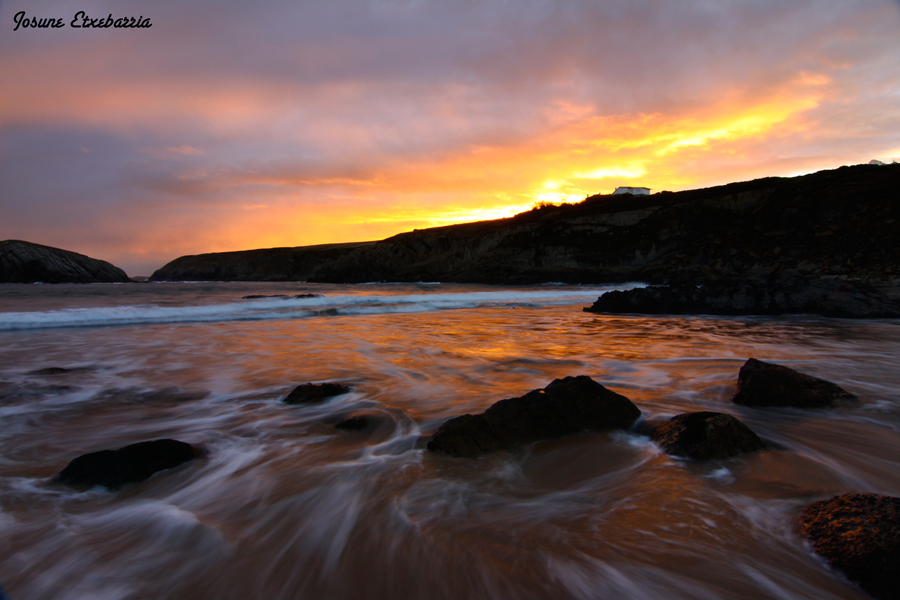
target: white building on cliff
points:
(637, 191)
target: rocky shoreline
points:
(787, 293)
(858, 534)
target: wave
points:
(272, 308)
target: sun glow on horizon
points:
(322, 128)
(576, 158)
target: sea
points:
(286, 506)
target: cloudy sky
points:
(234, 125)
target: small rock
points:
(354, 423)
(373, 426)
(258, 296)
(51, 371)
(312, 393)
(706, 436)
(564, 407)
(859, 535)
(133, 463)
(762, 384)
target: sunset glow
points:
(320, 125)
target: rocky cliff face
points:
(274, 264)
(24, 262)
(838, 223)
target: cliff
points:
(24, 262)
(837, 223)
(273, 264)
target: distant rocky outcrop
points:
(787, 292)
(272, 264)
(762, 384)
(131, 464)
(706, 436)
(564, 407)
(859, 535)
(24, 262)
(833, 223)
(313, 393)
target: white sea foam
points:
(293, 308)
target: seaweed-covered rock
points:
(859, 534)
(136, 462)
(706, 436)
(762, 384)
(313, 393)
(565, 406)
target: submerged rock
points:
(51, 371)
(565, 406)
(859, 535)
(257, 296)
(762, 384)
(136, 462)
(354, 423)
(313, 393)
(706, 436)
(787, 293)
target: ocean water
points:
(285, 506)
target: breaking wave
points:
(272, 308)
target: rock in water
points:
(312, 393)
(137, 462)
(706, 436)
(762, 384)
(354, 423)
(859, 534)
(24, 262)
(300, 296)
(565, 406)
(785, 294)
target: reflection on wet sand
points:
(287, 506)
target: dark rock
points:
(312, 393)
(859, 535)
(51, 371)
(24, 262)
(784, 293)
(137, 462)
(565, 406)
(257, 296)
(706, 436)
(762, 384)
(354, 423)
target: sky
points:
(234, 125)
